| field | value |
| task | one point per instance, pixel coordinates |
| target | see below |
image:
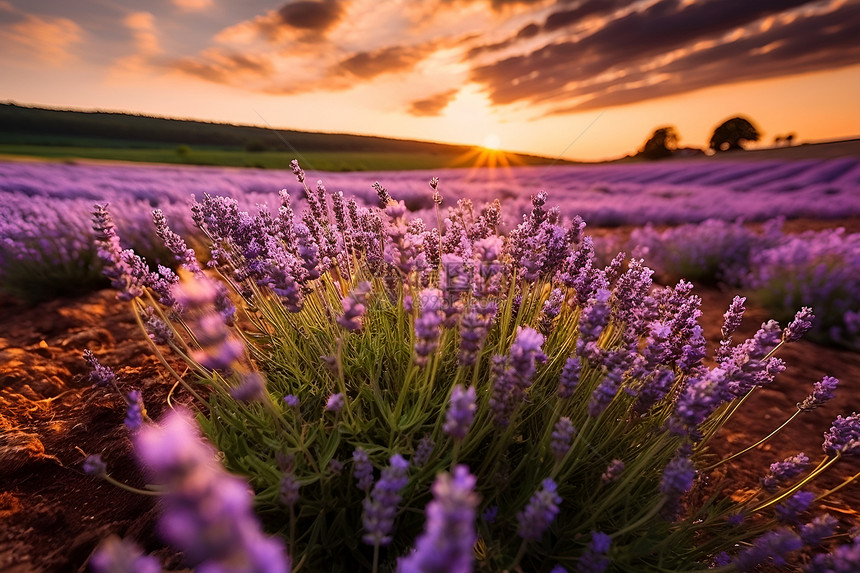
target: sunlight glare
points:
(492, 141)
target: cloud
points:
(433, 105)
(311, 15)
(226, 68)
(367, 65)
(794, 46)
(641, 54)
(142, 26)
(50, 39)
(193, 5)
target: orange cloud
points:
(193, 5)
(142, 25)
(48, 39)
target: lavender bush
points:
(711, 252)
(821, 269)
(356, 366)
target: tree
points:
(732, 133)
(662, 143)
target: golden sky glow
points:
(585, 79)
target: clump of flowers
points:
(713, 251)
(817, 269)
(397, 395)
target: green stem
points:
(127, 487)
(818, 470)
(755, 445)
(838, 487)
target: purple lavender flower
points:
(207, 512)
(677, 479)
(288, 490)
(297, 171)
(354, 306)
(558, 569)
(822, 391)
(656, 388)
(820, 527)
(605, 392)
(613, 471)
(135, 412)
(427, 325)
(423, 451)
(594, 559)
(560, 438)
(100, 376)
(174, 243)
(291, 401)
(335, 403)
(774, 544)
(786, 469)
(540, 511)
(701, 397)
(252, 388)
(843, 559)
(801, 324)
(569, 377)
(157, 330)
(789, 510)
(446, 546)
(525, 352)
(94, 466)
(461, 412)
(733, 316)
(218, 348)
(473, 331)
(362, 469)
(843, 437)
(124, 269)
(592, 321)
(115, 555)
(335, 466)
(380, 507)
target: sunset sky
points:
(585, 79)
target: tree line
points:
(731, 135)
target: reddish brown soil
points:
(53, 515)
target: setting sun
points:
(492, 141)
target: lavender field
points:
(604, 195)
(45, 246)
(512, 323)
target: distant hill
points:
(26, 130)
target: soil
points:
(53, 515)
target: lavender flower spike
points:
(449, 534)
(784, 470)
(362, 469)
(541, 510)
(380, 507)
(594, 559)
(799, 326)
(843, 437)
(334, 403)
(822, 391)
(119, 555)
(207, 512)
(99, 375)
(732, 317)
(461, 412)
(561, 435)
(136, 412)
(427, 325)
